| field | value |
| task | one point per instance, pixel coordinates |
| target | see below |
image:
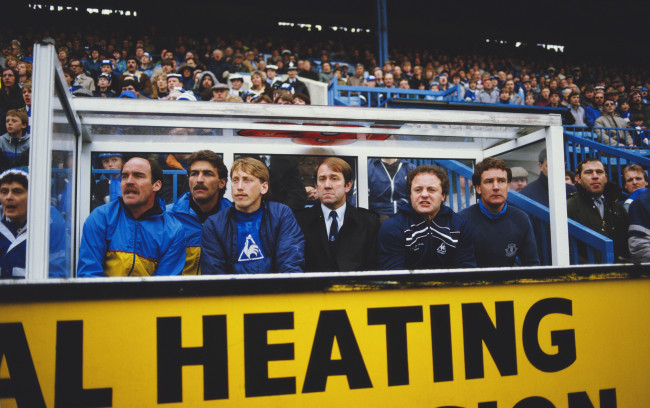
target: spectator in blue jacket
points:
(639, 230)
(425, 233)
(254, 235)
(13, 230)
(387, 185)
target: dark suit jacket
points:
(356, 241)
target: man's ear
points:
(348, 186)
(157, 185)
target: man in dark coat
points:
(298, 85)
(339, 237)
(595, 207)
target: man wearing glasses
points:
(82, 78)
(608, 119)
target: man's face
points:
(174, 82)
(599, 98)
(389, 81)
(217, 55)
(138, 191)
(102, 82)
(555, 98)
(575, 100)
(27, 96)
(15, 126)
(487, 84)
(247, 191)
(205, 183)
(112, 163)
(426, 195)
(634, 180)
(543, 168)
(518, 184)
(593, 178)
(494, 189)
(609, 107)
(331, 187)
(219, 95)
(131, 66)
(510, 84)
(13, 198)
(292, 73)
(358, 70)
(636, 98)
(76, 67)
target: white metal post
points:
(40, 163)
(557, 195)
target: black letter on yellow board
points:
(499, 339)
(395, 319)
(565, 340)
(213, 356)
(534, 402)
(68, 379)
(22, 383)
(581, 399)
(443, 369)
(335, 325)
(258, 352)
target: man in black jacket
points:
(595, 206)
(339, 237)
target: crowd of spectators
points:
(154, 67)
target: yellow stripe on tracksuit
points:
(119, 263)
(192, 261)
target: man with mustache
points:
(134, 235)
(595, 207)
(207, 176)
(254, 235)
(501, 233)
(425, 233)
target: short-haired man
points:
(207, 176)
(133, 236)
(425, 233)
(13, 229)
(297, 85)
(338, 236)
(254, 235)
(84, 80)
(608, 119)
(14, 145)
(488, 94)
(502, 233)
(636, 182)
(595, 206)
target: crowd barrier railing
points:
(343, 95)
(582, 142)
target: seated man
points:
(207, 177)
(501, 232)
(13, 229)
(595, 207)
(338, 236)
(425, 233)
(254, 235)
(133, 236)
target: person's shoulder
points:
(363, 214)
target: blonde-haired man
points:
(254, 235)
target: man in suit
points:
(339, 237)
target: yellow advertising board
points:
(573, 344)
